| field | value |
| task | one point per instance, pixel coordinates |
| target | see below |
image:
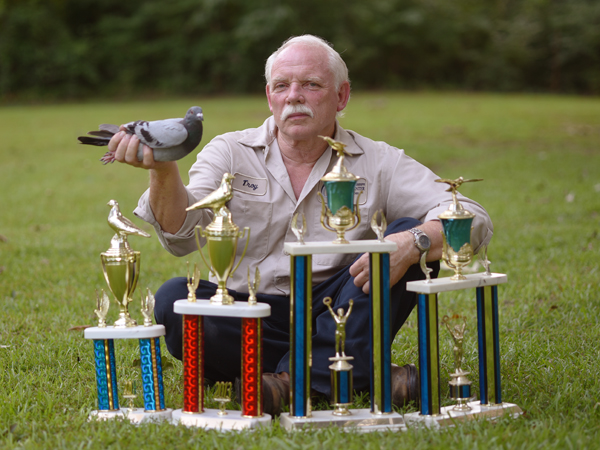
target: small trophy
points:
(341, 369)
(253, 287)
(102, 305)
(299, 230)
(148, 308)
(460, 386)
(221, 238)
(379, 229)
(340, 212)
(456, 221)
(121, 264)
(484, 260)
(222, 395)
(192, 283)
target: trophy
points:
(456, 221)
(340, 212)
(192, 283)
(341, 369)
(121, 264)
(221, 238)
(222, 395)
(460, 386)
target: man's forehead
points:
(311, 63)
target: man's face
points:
(302, 94)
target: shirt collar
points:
(264, 135)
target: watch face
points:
(424, 241)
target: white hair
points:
(336, 63)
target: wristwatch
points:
(423, 243)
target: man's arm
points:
(401, 259)
(168, 197)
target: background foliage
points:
(79, 48)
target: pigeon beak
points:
(200, 116)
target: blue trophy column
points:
(380, 333)
(300, 335)
(489, 345)
(429, 360)
(106, 375)
(152, 379)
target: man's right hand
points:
(125, 146)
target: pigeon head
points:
(112, 203)
(195, 113)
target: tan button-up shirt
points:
(264, 200)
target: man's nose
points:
(295, 94)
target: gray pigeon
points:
(169, 139)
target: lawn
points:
(539, 156)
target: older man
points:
(278, 168)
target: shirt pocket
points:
(256, 216)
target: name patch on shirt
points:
(361, 186)
(249, 185)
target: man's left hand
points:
(401, 259)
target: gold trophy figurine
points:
(460, 385)
(341, 370)
(339, 213)
(102, 305)
(222, 395)
(221, 238)
(456, 221)
(193, 282)
(253, 287)
(379, 229)
(121, 264)
(299, 230)
(148, 308)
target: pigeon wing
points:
(159, 133)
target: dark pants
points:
(222, 335)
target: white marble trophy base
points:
(135, 415)
(473, 280)
(318, 248)
(361, 420)
(237, 309)
(137, 332)
(451, 417)
(211, 419)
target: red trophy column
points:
(252, 367)
(193, 364)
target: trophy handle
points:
(357, 214)
(325, 214)
(245, 231)
(199, 231)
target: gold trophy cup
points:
(221, 238)
(121, 264)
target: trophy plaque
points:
(221, 238)
(339, 213)
(120, 266)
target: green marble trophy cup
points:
(457, 221)
(339, 213)
(221, 238)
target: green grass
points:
(539, 156)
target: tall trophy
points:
(121, 264)
(339, 213)
(460, 385)
(221, 238)
(456, 221)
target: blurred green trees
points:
(79, 48)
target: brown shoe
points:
(276, 392)
(405, 385)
